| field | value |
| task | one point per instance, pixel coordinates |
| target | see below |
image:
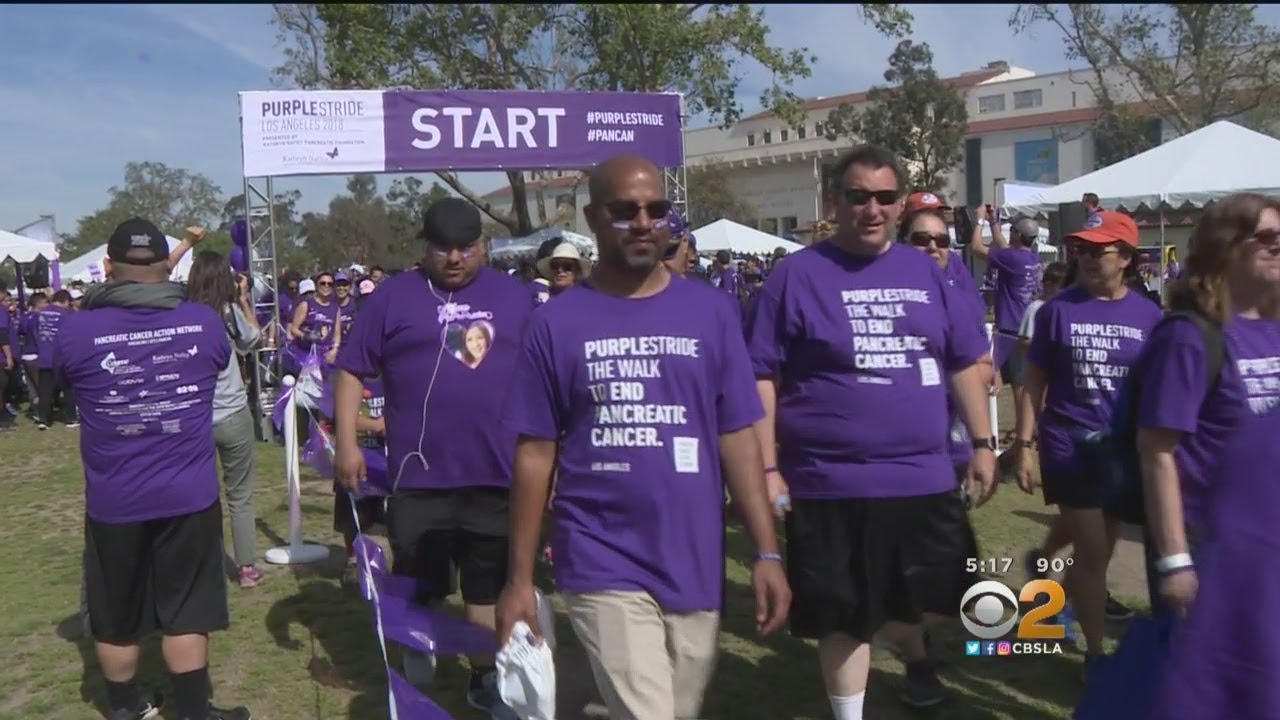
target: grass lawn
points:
(302, 648)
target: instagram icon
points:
(1004, 648)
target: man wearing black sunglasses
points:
(856, 342)
(636, 388)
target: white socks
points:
(848, 708)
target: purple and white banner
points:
(340, 132)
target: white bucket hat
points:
(564, 251)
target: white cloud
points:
(243, 31)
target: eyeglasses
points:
(442, 254)
(922, 239)
(629, 209)
(325, 283)
(861, 196)
(564, 267)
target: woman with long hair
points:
(1214, 363)
(1086, 340)
(212, 283)
(315, 325)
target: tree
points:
(360, 227)
(711, 197)
(918, 117)
(172, 198)
(1187, 65)
(695, 49)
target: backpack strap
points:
(1215, 344)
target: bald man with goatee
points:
(635, 387)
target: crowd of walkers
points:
(842, 391)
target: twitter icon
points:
(972, 648)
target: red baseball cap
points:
(1105, 227)
(925, 201)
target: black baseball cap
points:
(137, 242)
(451, 223)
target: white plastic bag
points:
(527, 675)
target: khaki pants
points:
(648, 664)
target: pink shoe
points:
(250, 576)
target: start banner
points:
(341, 132)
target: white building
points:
(1022, 126)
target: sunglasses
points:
(564, 267)
(860, 196)
(325, 283)
(1095, 251)
(922, 239)
(629, 209)
(1270, 238)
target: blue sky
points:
(87, 88)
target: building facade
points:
(1022, 127)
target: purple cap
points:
(676, 223)
(342, 277)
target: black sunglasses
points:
(860, 196)
(922, 239)
(1095, 250)
(629, 209)
(325, 283)
(569, 267)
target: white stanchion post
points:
(993, 402)
(296, 552)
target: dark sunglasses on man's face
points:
(325, 283)
(565, 267)
(1093, 250)
(629, 209)
(860, 196)
(922, 239)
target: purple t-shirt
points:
(962, 284)
(729, 281)
(30, 333)
(47, 325)
(1086, 348)
(347, 316)
(863, 348)
(638, 393)
(144, 381)
(1017, 278)
(318, 326)
(1223, 660)
(1176, 395)
(408, 329)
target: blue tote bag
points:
(1124, 687)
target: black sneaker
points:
(1116, 610)
(147, 710)
(483, 695)
(1029, 562)
(922, 688)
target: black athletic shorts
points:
(369, 511)
(164, 575)
(1014, 368)
(855, 564)
(1078, 491)
(441, 536)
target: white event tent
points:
(734, 237)
(88, 267)
(1195, 169)
(21, 249)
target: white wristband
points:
(1174, 562)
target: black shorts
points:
(438, 535)
(1078, 491)
(164, 575)
(368, 510)
(1014, 367)
(855, 564)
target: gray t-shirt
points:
(229, 397)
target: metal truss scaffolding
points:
(677, 178)
(264, 381)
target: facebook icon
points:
(989, 648)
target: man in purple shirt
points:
(144, 363)
(48, 325)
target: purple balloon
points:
(239, 259)
(240, 233)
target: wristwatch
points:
(989, 443)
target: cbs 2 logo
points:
(989, 598)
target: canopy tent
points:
(734, 237)
(527, 245)
(24, 250)
(88, 267)
(1198, 168)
